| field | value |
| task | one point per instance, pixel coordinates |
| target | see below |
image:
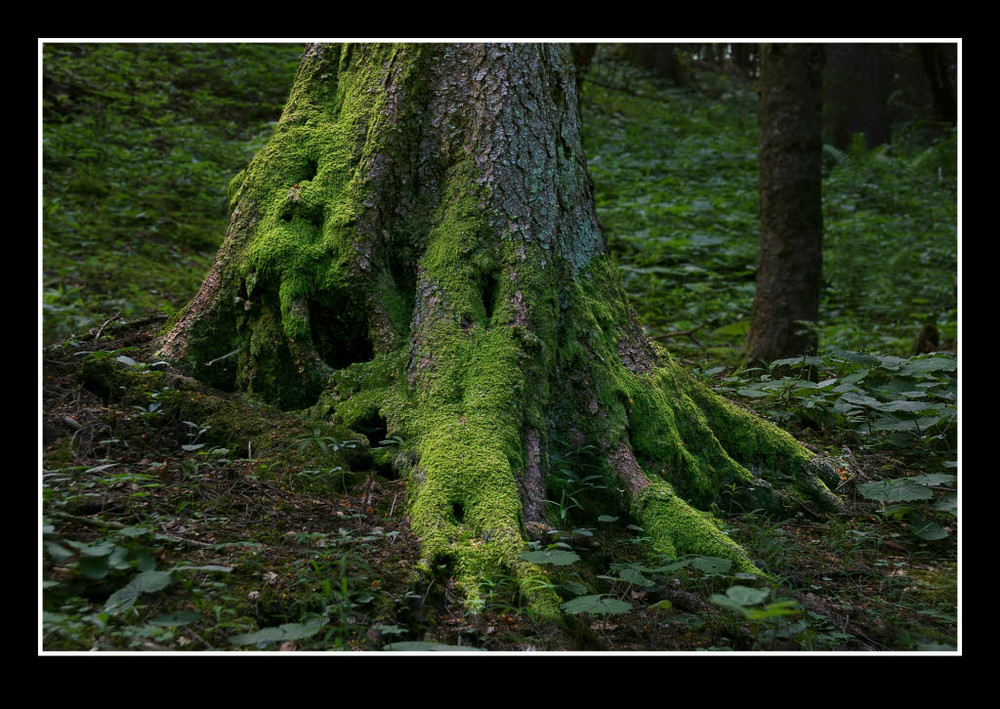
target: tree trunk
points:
(661, 58)
(416, 250)
(856, 86)
(790, 253)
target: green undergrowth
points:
(676, 186)
(138, 144)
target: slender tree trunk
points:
(416, 250)
(790, 254)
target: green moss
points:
(676, 528)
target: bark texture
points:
(417, 250)
(790, 254)
(856, 86)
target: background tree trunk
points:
(856, 86)
(661, 58)
(416, 252)
(790, 255)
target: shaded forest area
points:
(171, 519)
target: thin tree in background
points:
(790, 255)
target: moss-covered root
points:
(762, 446)
(676, 528)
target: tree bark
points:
(856, 86)
(790, 253)
(417, 248)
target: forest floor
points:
(157, 537)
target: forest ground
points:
(169, 525)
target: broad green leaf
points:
(860, 400)
(150, 581)
(933, 479)
(904, 406)
(134, 531)
(948, 503)
(930, 364)
(607, 518)
(119, 558)
(282, 633)
(596, 605)
(95, 549)
(928, 530)
(574, 587)
(634, 576)
(93, 567)
(421, 646)
(747, 596)
(556, 557)
(856, 357)
(121, 600)
(126, 360)
(206, 567)
(58, 553)
(711, 564)
(390, 629)
(898, 490)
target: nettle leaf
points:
(744, 595)
(931, 531)
(948, 504)
(282, 633)
(94, 550)
(711, 564)
(422, 646)
(555, 557)
(905, 406)
(596, 605)
(891, 362)
(933, 479)
(898, 490)
(852, 397)
(58, 553)
(856, 357)
(121, 600)
(634, 576)
(206, 567)
(94, 567)
(145, 582)
(151, 581)
(930, 364)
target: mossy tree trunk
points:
(417, 248)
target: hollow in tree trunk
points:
(417, 249)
